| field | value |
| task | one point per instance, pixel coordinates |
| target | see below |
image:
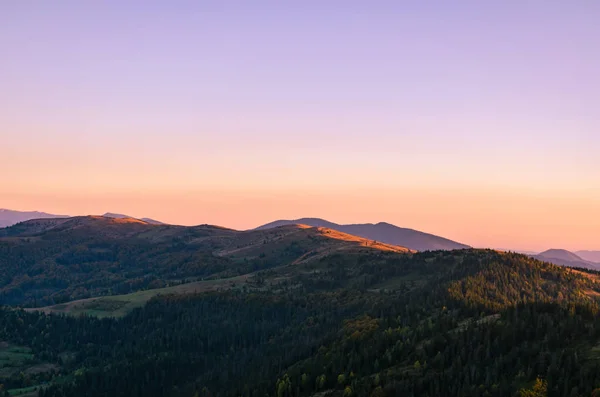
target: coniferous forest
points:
(317, 316)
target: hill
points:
(560, 254)
(122, 216)
(382, 231)
(51, 261)
(10, 217)
(566, 258)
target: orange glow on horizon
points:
(495, 218)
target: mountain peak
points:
(565, 258)
(383, 232)
(115, 215)
(122, 216)
(560, 254)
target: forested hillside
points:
(359, 322)
(44, 262)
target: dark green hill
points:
(51, 261)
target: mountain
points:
(384, 232)
(560, 254)
(291, 311)
(10, 217)
(565, 258)
(592, 256)
(122, 216)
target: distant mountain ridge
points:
(382, 231)
(11, 217)
(566, 258)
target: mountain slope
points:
(10, 217)
(565, 258)
(49, 261)
(384, 232)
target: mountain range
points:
(98, 254)
(291, 311)
(382, 231)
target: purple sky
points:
(149, 98)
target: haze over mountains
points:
(382, 231)
(10, 217)
(566, 258)
(592, 256)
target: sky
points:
(478, 121)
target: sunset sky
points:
(476, 121)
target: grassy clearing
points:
(13, 358)
(25, 392)
(120, 305)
